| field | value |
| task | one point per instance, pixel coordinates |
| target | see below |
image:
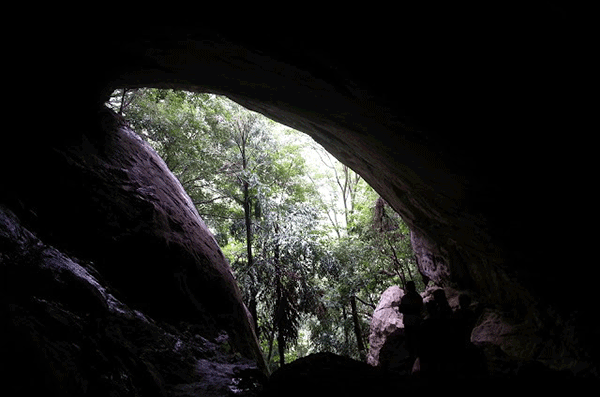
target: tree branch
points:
(220, 216)
(366, 303)
(210, 201)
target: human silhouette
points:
(440, 309)
(411, 304)
(436, 343)
(464, 319)
(468, 361)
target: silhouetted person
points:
(436, 343)
(468, 361)
(411, 305)
(440, 309)
(465, 319)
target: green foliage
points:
(189, 132)
(320, 237)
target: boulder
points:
(327, 374)
(114, 201)
(66, 333)
(385, 322)
(509, 345)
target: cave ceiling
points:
(446, 117)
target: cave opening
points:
(357, 245)
(453, 133)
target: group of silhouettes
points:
(438, 340)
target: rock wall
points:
(517, 327)
(430, 261)
(510, 345)
(105, 196)
(504, 344)
(66, 333)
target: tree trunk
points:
(399, 265)
(279, 301)
(253, 309)
(279, 317)
(357, 331)
(346, 338)
(281, 346)
(270, 352)
(248, 220)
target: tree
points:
(121, 99)
(391, 236)
(186, 129)
(347, 190)
(370, 252)
(289, 240)
(248, 164)
(279, 229)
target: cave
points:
(458, 123)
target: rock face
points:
(511, 345)
(501, 345)
(432, 264)
(386, 321)
(114, 200)
(66, 333)
(448, 117)
(109, 199)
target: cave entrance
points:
(311, 244)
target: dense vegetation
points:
(311, 244)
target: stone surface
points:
(386, 320)
(115, 201)
(501, 346)
(66, 333)
(431, 263)
(527, 342)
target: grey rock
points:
(386, 320)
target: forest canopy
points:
(311, 244)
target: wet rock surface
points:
(66, 333)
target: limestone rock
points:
(432, 264)
(386, 320)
